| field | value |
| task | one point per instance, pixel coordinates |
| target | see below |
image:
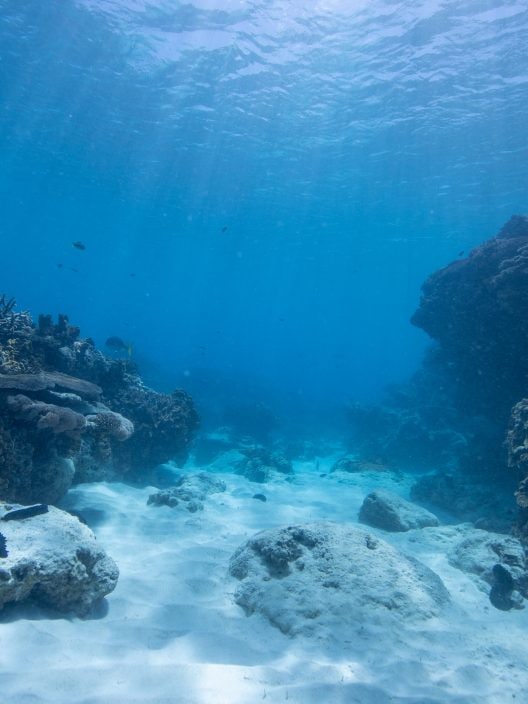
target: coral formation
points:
(67, 411)
(517, 440)
(259, 464)
(453, 416)
(163, 425)
(475, 308)
(189, 491)
(517, 446)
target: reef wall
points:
(475, 308)
(465, 413)
(69, 414)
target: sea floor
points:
(171, 632)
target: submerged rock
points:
(386, 510)
(327, 579)
(498, 561)
(502, 594)
(469, 498)
(54, 560)
(475, 308)
(190, 491)
(260, 465)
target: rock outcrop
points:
(475, 308)
(454, 415)
(327, 580)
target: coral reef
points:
(517, 447)
(163, 425)
(517, 443)
(67, 412)
(453, 416)
(475, 308)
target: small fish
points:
(224, 229)
(79, 245)
(17, 514)
(118, 345)
(132, 273)
(461, 253)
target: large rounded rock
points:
(386, 510)
(54, 559)
(327, 578)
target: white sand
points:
(173, 635)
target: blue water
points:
(261, 186)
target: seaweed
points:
(6, 306)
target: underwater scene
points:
(263, 351)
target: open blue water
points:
(261, 186)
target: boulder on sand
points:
(54, 560)
(324, 578)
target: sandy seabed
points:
(171, 632)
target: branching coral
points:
(6, 305)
